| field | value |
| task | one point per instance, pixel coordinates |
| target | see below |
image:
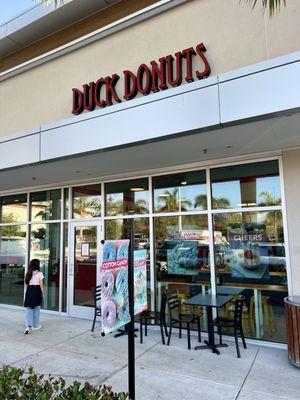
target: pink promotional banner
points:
(114, 285)
(140, 281)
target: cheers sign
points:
(168, 72)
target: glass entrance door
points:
(84, 267)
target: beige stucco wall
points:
(291, 168)
(234, 36)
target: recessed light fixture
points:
(137, 189)
(184, 183)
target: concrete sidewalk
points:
(66, 347)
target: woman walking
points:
(34, 282)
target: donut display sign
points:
(182, 256)
(140, 281)
(114, 285)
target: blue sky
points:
(11, 8)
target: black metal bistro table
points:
(209, 301)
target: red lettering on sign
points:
(144, 79)
(77, 101)
(88, 97)
(187, 54)
(111, 89)
(178, 67)
(200, 49)
(97, 93)
(159, 76)
(130, 85)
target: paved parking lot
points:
(66, 347)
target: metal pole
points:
(131, 344)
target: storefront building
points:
(161, 116)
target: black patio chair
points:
(180, 320)
(97, 309)
(147, 316)
(235, 323)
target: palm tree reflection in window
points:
(172, 201)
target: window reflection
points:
(180, 192)
(181, 245)
(45, 245)
(12, 264)
(250, 254)
(247, 185)
(87, 201)
(127, 197)
(118, 229)
(250, 245)
(14, 208)
(45, 205)
(182, 256)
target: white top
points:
(37, 277)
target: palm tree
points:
(172, 202)
(141, 206)
(201, 201)
(269, 199)
(272, 5)
(222, 202)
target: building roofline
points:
(130, 20)
(40, 21)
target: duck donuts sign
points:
(169, 71)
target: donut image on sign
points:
(122, 308)
(109, 312)
(109, 251)
(122, 251)
(107, 284)
(139, 283)
(122, 281)
(114, 285)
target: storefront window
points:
(87, 201)
(45, 205)
(182, 256)
(249, 246)
(45, 245)
(12, 264)
(127, 197)
(14, 208)
(180, 192)
(247, 185)
(250, 255)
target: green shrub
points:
(17, 384)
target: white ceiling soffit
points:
(42, 20)
(270, 135)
